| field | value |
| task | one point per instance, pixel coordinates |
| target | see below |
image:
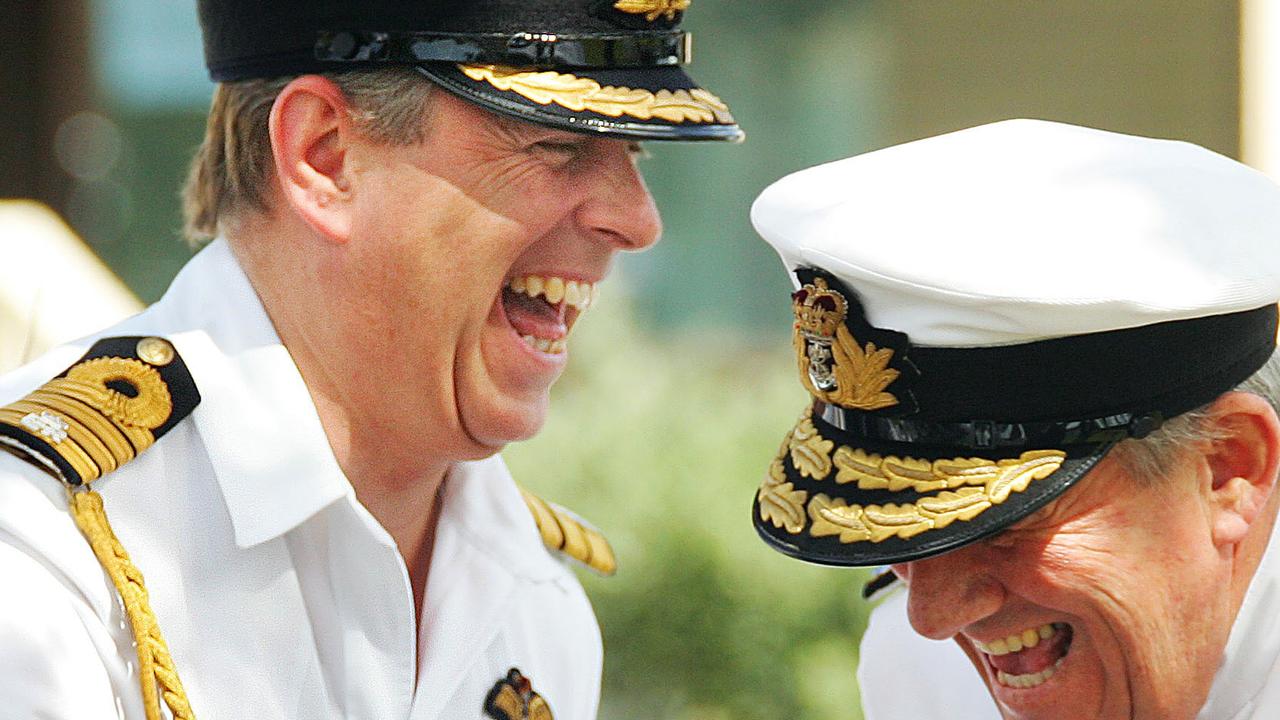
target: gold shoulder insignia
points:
(564, 532)
(103, 412)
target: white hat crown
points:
(1024, 230)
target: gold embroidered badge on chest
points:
(513, 698)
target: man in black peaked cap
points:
(410, 204)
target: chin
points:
(492, 425)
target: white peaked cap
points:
(1026, 230)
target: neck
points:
(379, 438)
(1252, 651)
(1251, 550)
(393, 478)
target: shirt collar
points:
(483, 505)
(259, 426)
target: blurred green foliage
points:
(662, 442)
(133, 218)
(805, 81)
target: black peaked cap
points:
(612, 67)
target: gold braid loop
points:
(148, 408)
(156, 672)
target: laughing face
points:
(488, 242)
(1108, 603)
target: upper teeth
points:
(575, 293)
(1028, 638)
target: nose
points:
(949, 592)
(618, 206)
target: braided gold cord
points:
(156, 672)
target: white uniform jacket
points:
(278, 593)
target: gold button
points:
(156, 351)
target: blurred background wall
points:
(681, 386)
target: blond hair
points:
(232, 170)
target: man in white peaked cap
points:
(1043, 380)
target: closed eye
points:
(566, 148)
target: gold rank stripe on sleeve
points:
(100, 414)
(565, 533)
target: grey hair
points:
(1154, 456)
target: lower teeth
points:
(1030, 680)
(553, 347)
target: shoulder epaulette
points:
(566, 533)
(102, 412)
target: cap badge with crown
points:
(834, 366)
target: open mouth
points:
(1029, 658)
(543, 309)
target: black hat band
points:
(979, 435)
(335, 49)
(1160, 370)
(527, 49)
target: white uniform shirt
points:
(893, 658)
(279, 594)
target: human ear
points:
(311, 131)
(1242, 462)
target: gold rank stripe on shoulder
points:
(100, 414)
(563, 532)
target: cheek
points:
(1088, 575)
(1069, 577)
(1137, 598)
